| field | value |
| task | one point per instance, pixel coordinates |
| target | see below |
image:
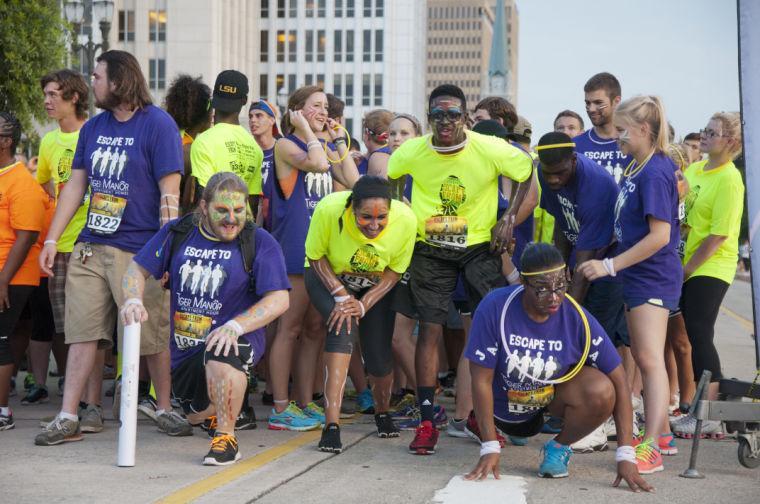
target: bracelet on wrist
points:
(609, 266)
(235, 326)
(50, 242)
(625, 454)
(513, 277)
(337, 290)
(341, 299)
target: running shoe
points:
(455, 428)
(596, 440)
(610, 428)
(365, 403)
(425, 439)
(687, 427)
(347, 411)
(92, 419)
(648, 457)
(330, 441)
(210, 425)
(667, 444)
(292, 418)
(6, 421)
(556, 460)
(517, 440)
(224, 451)
(552, 425)
(36, 395)
(439, 419)
(315, 411)
(13, 392)
(472, 430)
(385, 426)
(147, 406)
(405, 407)
(173, 424)
(59, 431)
(29, 381)
(447, 379)
(246, 420)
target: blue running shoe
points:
(292, 418)
(553, 425)
(556, 458)
(313, 410)
(405, 412)
(518, 440)
(365, 403)
(440, 419)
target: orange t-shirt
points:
(22, 207)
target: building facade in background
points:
(459, 45)
(370, 53)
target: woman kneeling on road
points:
(532, 351)
(358, 246)
(228, 281)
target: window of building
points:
(378, 89)
(157, 74)
(126, 26)
(291, 83)
(321, 80)
(310, 8)
(349, 8)
(379, 45)
(338, 45)
(321, 43)
(348, 97)
(309, 45)
(292, 45)
(279, 83)
(367, 8)
(280, 45)
(293, 11)
(264, 46)
(264, 86)
(350, 126)
(379, 8)
(338, 85)
(321, 7)
(338, 8)
(366, 89)
(367, 46)
(309, 80)
(157, 25)
(264, 9)
(349, 45)
(280, 8)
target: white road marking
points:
(506, 490)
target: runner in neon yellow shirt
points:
(358, 246)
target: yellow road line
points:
(743, 321)
(226, 476)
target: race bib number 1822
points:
(106, 212)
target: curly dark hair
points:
(11, 129)
(72, 84)
(187, 101)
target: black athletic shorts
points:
(434, 272)
(189, 377)
(528, 428)
(401, 302)
(39, 310)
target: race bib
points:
(521, 402)
(357, 282)
(106, 212)
(447, 231)
(190, 330)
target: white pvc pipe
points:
(130, 374)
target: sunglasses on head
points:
(438, 115)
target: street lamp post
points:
(99, 11)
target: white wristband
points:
(513, 277)
(50, 242)
(625, 454)
(132, 301)
(488, 447)
(341, 299)
(609, 266)
(337, 290)
(232, 324)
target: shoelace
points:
(424, 432)
(220, 442)
(212, 423)
(294, 410)
(557, 454)
(645, 450)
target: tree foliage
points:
(32, 43)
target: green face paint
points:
(226, 214)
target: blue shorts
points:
(671, 304)
(604, 300)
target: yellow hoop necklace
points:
(631, 170)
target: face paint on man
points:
(226, 214)
(372, 216)
(546, 292)
(447, 120)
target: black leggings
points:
(375, 332)
(700, 302)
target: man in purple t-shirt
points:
(130, 157)
(602, 96)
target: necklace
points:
(444, 150)
(631, 170)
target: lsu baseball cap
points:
(230, 91)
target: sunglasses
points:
(438, 115)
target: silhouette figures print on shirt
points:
(107, 163)
(199, 279)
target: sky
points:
(684, 51)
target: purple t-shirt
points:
(650, 192)
(584, 209)
(267, 174)
(604, 151)
(525, 354)
(209, 285)
(124, 163)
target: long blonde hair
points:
(732, 129)
(647, 110)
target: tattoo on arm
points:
(133, 281)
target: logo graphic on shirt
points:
(452, 195)
(605, 159)
(318, 185)
(568, 211)
(109, 163)
(688, 204)
(265, 167)
(64, 166)
(201, 279)
(629, 187)
(522, 366)
(365, 259)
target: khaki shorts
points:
(94, 295)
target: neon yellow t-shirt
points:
(455, 196)
(227, 147)
(543, 227)
(357, 260)
(714, 206)
(55, 157)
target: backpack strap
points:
(180, 230)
